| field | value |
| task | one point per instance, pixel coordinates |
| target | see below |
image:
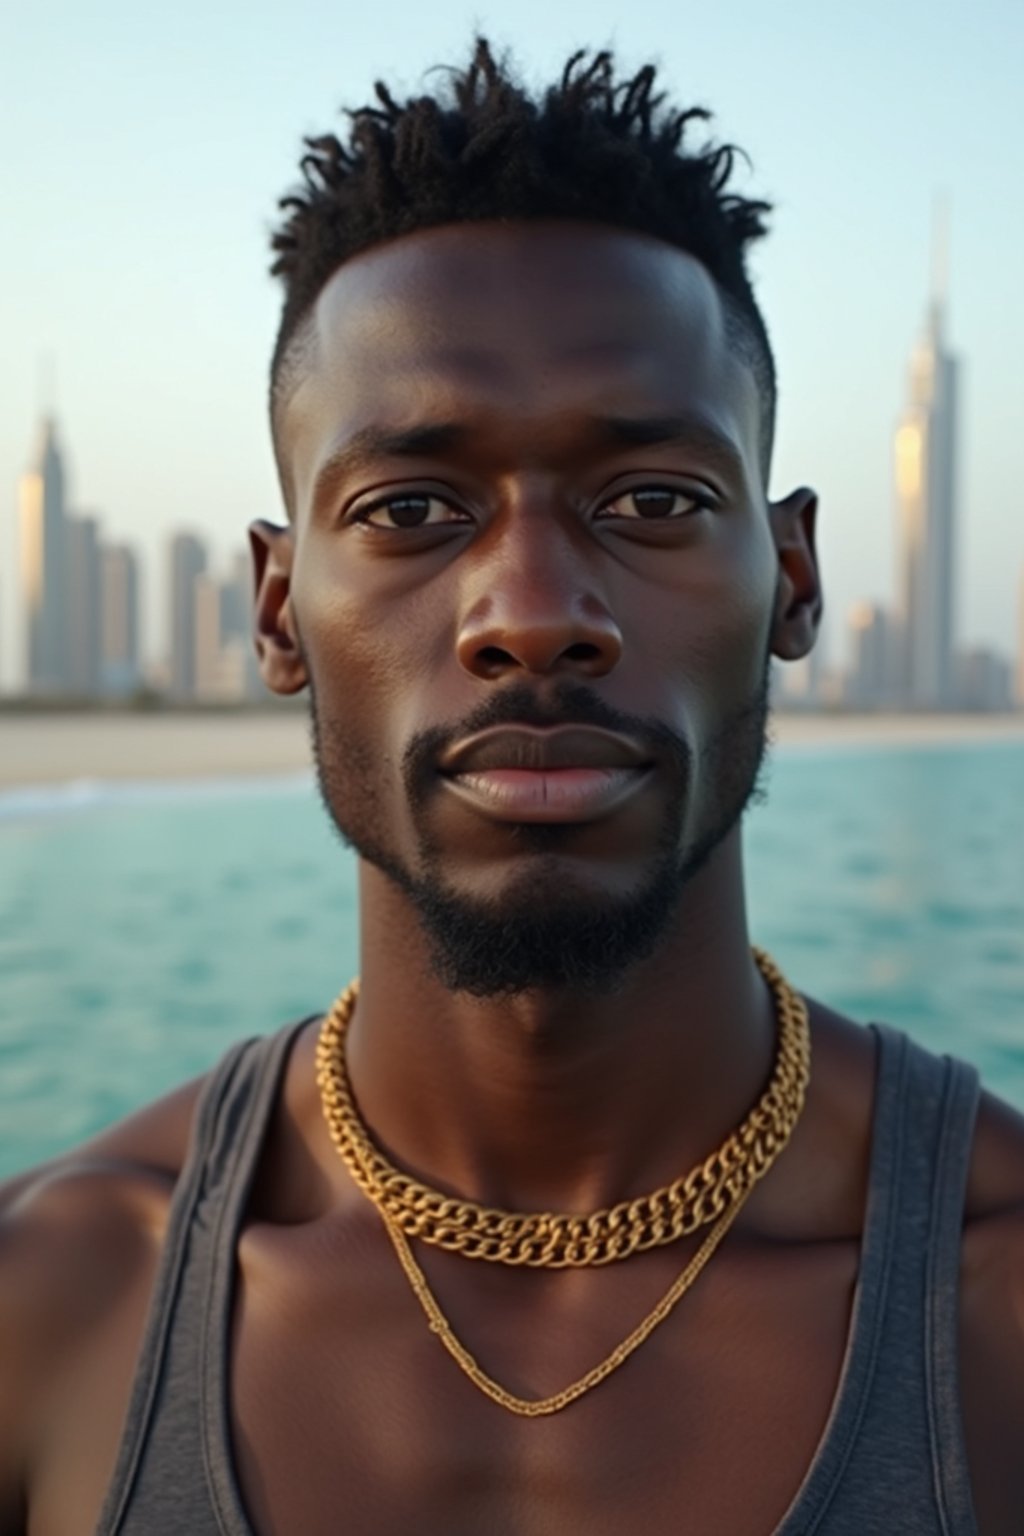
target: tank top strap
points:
(894, 1443)
(916, 1402)
(156, 1486)
(942, 1315)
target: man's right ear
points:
(282, 665)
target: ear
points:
(282, 664)
(798, 596)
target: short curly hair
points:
(592, 147)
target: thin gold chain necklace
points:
(713, 1192)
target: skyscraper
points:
(207, 638)
(84, 623)
(43, 538)
(926, 509)
(119, 581)
(868, 680)
(188, 562)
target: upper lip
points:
(520, 746)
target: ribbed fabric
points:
(892, 1455)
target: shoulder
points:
(79, 1237)
(996, 1181)
(991, 1315)
(990, 1342)
(993, 1243)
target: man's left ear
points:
(798, 597)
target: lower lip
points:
(547, 795)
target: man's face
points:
(532, 585)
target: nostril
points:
(494, 656)
(540, 652)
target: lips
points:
(567, 774)
(570, 746)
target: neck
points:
(552, 1100)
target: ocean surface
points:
(144, 928)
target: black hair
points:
(593, 148)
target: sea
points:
(144, 927)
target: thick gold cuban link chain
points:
(544, 1239)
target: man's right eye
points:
(409, 511)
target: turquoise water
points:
(142, 930)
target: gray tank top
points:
(891, 1456)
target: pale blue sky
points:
(144, 149)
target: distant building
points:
(84, 606)
(798, 685)
(868, 683)
(208, 681)
(43, 539)
(925, 455)
(120, 661)
(188, 561)
(236, 598)
(226, 670)
(984, 680)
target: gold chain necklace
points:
(715, 1191)
(542, 1239)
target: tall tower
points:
(120, 668)
(188, 564)
(43, 536)
(926, 504)
(84, 606)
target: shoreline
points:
(44, 751)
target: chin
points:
(549, 928)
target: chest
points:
(347, 1413)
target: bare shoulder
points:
(78, 1236)
(996, 1182)
(993, 1246)
(992, 1316)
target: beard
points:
(540, 933)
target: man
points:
(522, 406)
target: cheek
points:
(715, 632)
(720, 613)
(370, 655)
(747, 616)
(344, 639)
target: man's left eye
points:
(652, 502)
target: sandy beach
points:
(42, 749)
(67, 748)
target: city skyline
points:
(80, 605)
(81, 615)
(908, 656)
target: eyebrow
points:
(714, 446)
(372, 444)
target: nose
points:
(533, 605)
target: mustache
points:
(566, 705)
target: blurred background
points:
(168, 881)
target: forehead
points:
(522, 326)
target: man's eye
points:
(653, 502)
(410, 511)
